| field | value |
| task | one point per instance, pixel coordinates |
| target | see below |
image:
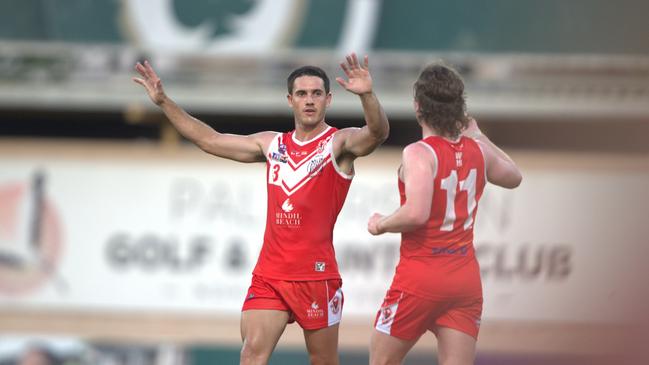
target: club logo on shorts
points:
(319, 266)
(386, 315)
(335, 305)
(314, 311)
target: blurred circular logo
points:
(232, 25)
(30, 236)
(250, 26)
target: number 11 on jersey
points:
(450, 184)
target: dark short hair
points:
(307, 71)
(439, 91)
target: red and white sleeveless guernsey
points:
(438, 260)
(306, 191)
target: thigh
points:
(314, 304)
(262, 294)
(455, 347)
(386, 349)
(322, 345)
(404, 315)
(462, 315)
(261, 330)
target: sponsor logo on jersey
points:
(280, 157)
(459, 251)
(458, 159)
(287, 206)
(319, 266)
(287, 217)
(315, 165)
(314, 311)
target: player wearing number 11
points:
(437, 284)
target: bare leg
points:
(455, 347)
(388, 350)
(260, 331)
(322, 345)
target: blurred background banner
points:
(266, 26)
(184, 237)
(122, 239)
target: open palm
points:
(150, 81)
(359, 80)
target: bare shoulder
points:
(264, 138)
(417, 151)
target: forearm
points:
(188, 126)
(375, 117)
(479, 136)
(501, 169)
(402, 220)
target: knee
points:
(253, 352)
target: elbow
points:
(384, 133)
(515, 181)
(381, 132)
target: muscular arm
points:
(249, 148)
(501, 169)
(418, 169)
(362, 141)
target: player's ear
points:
(289, 98)
(329, 96)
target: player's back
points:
(438, 259)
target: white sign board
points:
(178, 236)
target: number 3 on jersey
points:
(274, 174)
(450, 184)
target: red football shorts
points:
(408, 316)
(312, 304)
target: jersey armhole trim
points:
(266, 153)
(335, 163)
(432, 151)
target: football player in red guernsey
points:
(437, 284)
(309, 171)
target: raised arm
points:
(418, 171)
(249, 148)
(362, 141)
(501, 169)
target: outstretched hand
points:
(359, 80)
(151, 82)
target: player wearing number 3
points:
(309, 171)
(437, 284)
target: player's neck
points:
(428, 131)
(306, 133)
